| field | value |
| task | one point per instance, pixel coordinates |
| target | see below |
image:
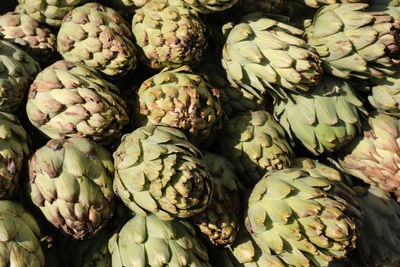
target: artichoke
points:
(149, 241)
(20, 245)
(319, 3)
(39, 39)
(49, 11)
(379, 242)
(157, 170)
(13, 150)
(265, 55)
(168, 33)
(219, 221)
(71, 183)
(304, 215)
(70, 100)
(256, 144)
(181, 99)
(385, 95)
(324, 120)
(99, 37)
(335, 35)
(17, 69)
(375, 156)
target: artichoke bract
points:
(391, 7)
(157, 170)
(181, 99)
(49, 11)
(324, 120)
(355, 43)
(169, 34)
(38, 39)
(265, 55)
(304, 215)
(97, 36)
(379, 242)
(385, 95)
(255, 143)
(70, 100)
(17, 70)
(70, 181)
(209, 6)
(219, 221)
(149, 241)
(20, 244)
(374, 156)
(13, 151)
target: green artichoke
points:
(379, 242)
(13, 151)
(149, 241)
(335, 34)
(20, 245)
(385, 95)
(233, 100)
(304, 215)
(70, 100)
(319, 3)
(169, 34)
(181, 99)
(209, 6)
(17, 69)
(49, 11)
(40, 41)
(255, 143)
(324, 120)
(71, 183)
(99, 37)
(265, 55)
(219, 221)
(374, 157)
(244, 252)
(157, 170)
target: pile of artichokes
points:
(197, 133)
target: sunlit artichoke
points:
(157, 170)
(71, 183)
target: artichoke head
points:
(13, 152)
(219, 221)
(265, 55)
(304, 215)
(255, 143)
(70, 100)
(355, 43)
(157, 170)
(324, 120)
(149, 241)
(374, 156)
(97, 36)
(184, 100)
(71, 183)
